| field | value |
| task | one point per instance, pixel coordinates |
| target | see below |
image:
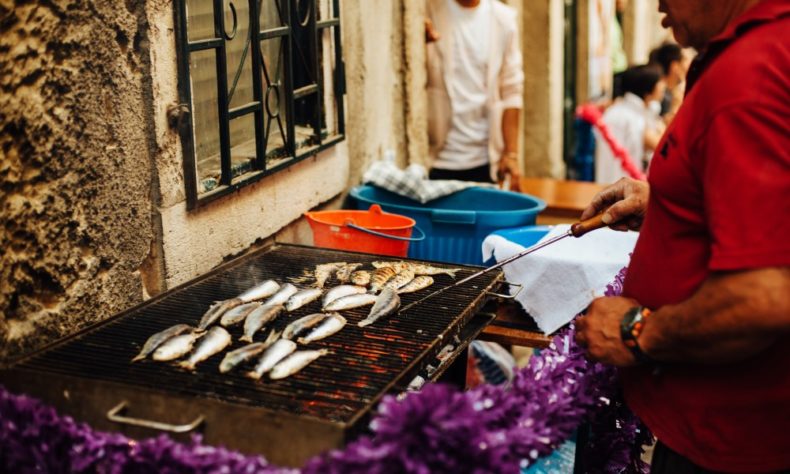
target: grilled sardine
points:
(420, 282)
(360, 278)
(380, 277)
(387, 303)
(418, 268)
(302, 297)
(401, 279)
(260, 291)
(258, 318)
(215, 341)
(341, 291)
(216, 310)
(237, 314)
(303, 324)
(160, 338)
(245, 353)
(343, 273)
(271, 356)
(351, 301)
(294, 363)
(397, 266)
(324, 271)
(176, 347)
(282, 295)
(330, 325)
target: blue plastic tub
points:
(525, 236)
(455, 225)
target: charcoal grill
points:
(89, 375)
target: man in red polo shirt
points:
(703, 327)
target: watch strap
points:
(631, 327)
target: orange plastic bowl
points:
(351, 230)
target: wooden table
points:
(565, 200)
(513, 326)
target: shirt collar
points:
(631, 98)
(763, 12)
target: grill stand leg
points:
(456, 373)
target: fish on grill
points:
(397, 266)
(360, 278)
(260, 291)
(160, 338)
(341, 291)
(333, 323)
(351, 302)
(402, 278)
(245, 353)
(176, 347)
(238, 314)
(271, 356)
(302, 297)
(258, 318)
(303, 324)
(294, 363)
(418, 268)
(419, 282)
(387, 303)
(324, 271)
(380, 277)
(214, 342)
(343, 273)
(257, 292)
(282, 295)
(216, 310)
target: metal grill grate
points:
(365, 363)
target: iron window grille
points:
(273, 96)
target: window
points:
(263, 82)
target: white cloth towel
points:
(562, 279)
(413, 182)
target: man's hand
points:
(626, 201)
(508, 166)
(599, 331)
(431, 34)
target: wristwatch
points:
(631, 327)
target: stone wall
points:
(78, 240)
(92, 198)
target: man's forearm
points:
(731, 317)
(510, 122)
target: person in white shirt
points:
(475, 85)
(633, 121)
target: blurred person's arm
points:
(653, 135)
(508, 162)
(511, 91)
(431, 34)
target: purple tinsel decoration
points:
(490, 429)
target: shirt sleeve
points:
(746, 182)
(511, 78)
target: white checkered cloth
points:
(413, 182)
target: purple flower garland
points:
(490, 429)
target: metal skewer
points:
(577, 230)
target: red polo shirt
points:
(720, 201)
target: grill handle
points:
(507, 297)
(113, 415)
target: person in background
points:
(702, 329)
(674, 62)
(619, 57)
(475, 83)
(632, 122)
